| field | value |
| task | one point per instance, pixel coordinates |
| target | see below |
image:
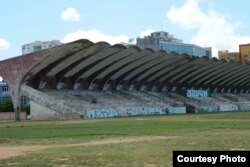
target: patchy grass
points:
(217, 131)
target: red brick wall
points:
(11, 115)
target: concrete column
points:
(143, 87)
(155, 88)
(222, 90)
(121, 87)
(76, 86)
(242, 90)
(93, 86)
(42, 84)
(173, 88)
(235, 91)
(132, 87)
(165, 89)
(16, 99)
(59, 85)
(215, 90)
(107, 87)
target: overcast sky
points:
(221, 24)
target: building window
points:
(5, 89)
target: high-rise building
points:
(39, 45)
(165, 41)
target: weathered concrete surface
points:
(47, 107)
(13, 70)
(85, 65)
(39, 112)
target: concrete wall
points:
(131, 111)
(208, 108)
(41, 102)
(244, 107)
(176, 110)
(39, 112)
(223, 107)
(228, 107)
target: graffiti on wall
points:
(145, 111)
(103, 113)
(133, 111)
(197, 93)
(228, 107)
(176, 110)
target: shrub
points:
(6, 105)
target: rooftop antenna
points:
(161, 27)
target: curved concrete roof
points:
(101, 62)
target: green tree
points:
(6, 105)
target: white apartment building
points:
(39, 45)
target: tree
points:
(6, 105)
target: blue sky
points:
(221, 24)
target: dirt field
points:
(11, 151)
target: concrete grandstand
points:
(82, 79)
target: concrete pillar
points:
(155, 88)
(173, 88)
(93, 87)
(183, 88)
(76, 86)
(121, 87)
(165, 89)
(131, 88)
(107, 87)
(16, 99)
(242, 90)
(143, 88)
(42, 84)
(235, 91)
(215, 90)
(59, 85)
(222, 90)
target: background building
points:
(244, 52)
(224, 54)
(153, 41)
(4, 91)
(208, 51)
(39, 45)
(181, 48)
(164, 41)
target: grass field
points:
(120, 142)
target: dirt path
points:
(11, 151)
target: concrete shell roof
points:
(101, 64)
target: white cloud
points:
(70, 14)
(146, 32)
(4, 44)
(212, 27)
(94, 36)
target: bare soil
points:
(12, 151)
